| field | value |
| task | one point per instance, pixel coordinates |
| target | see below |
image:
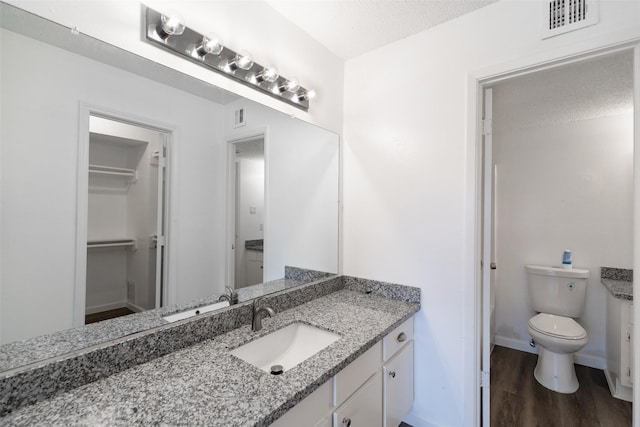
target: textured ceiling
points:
(585, 90)
(349, 28)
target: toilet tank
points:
(555, 290)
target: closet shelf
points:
(112, 243)
(132, 174)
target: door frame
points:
(230, 141)
(82, 198)
(476, 83)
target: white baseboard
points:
(621, 392)
(105, 307)
(134, 307)
(579, 358)
(418, 421)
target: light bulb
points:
(211, 43)
(291, 85)
(242, 60)
(171, 24)
(268, 74)
(307, 95)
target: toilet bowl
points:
(557, 337)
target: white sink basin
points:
(287, 347)
(195, 311)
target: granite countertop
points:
(618, 281)
(621, 289)
(205, 385)
(254, 245)
(20, 353)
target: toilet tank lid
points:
(547, 270)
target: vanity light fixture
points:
(210, 44)
(171, 24)
(168, 31)
(268, 74)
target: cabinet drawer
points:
(313, 408)
(363, 409)
(355, 374)
(397, 338)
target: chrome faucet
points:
(231, 296)
(259, 311)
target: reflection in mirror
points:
(249, 194)
(125, 218)
(54, 204)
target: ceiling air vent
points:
(562, 16)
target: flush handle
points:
(402, 337)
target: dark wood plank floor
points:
(517, 399)
(104, 315)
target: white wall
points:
(250, 25)
(562, 186)
(39, 133)
(409, 182)
(301, 200)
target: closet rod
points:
(111, 243)
(109, 170)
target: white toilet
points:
(558, 295)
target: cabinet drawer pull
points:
(392, 374)
(346, 422)
(402, 337)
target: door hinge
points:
(162, 240)
(158, 159)
(487, 124)
(484, 378)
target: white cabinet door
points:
(315, 410)
(364, 408)
(398, 386)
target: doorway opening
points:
(545, 179)
(122, 218)
(247, 188)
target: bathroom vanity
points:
(383, 374)
(365, 377)
(619, 283)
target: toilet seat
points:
(557, 326)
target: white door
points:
(487, 261)
(162, 293)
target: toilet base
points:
(556, 371)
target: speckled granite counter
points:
(618, 281)
(20, 353)
(205, 385)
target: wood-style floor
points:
(517, 399)
(104, 315)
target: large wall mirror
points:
(124, 181)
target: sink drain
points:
(276, 370)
